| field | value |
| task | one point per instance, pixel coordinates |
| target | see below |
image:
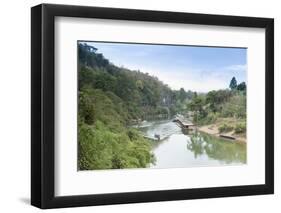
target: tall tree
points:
(241, 86)
(233, 84)
(182, 94)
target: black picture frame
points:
(43, 105)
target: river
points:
(190, 149)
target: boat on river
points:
(227, 137)
(184, 123)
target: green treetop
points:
(233, 84)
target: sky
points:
(195, 68)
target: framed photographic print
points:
(140, 106)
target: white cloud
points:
(200, 80)
(188, 79)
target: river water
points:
(190, 149)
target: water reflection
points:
(163, 128)
(179, 148)
(216, 148)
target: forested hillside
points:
(139, 94)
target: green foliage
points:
(235, 107)
(215, 99)
(225, 128)
(197, 106)
(197, 103)
(241, 86)
(233, 84)
(86, 107)
(182, 94)
(93, 151)
(139, 84)
(240, 128)
(139, 91)
(100, 148)
(109, 98)
(207, 108)
(211, 118)
(86, 53)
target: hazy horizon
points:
(193, 68)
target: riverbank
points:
(191, 150)
(213, 129)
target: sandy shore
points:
(213, 130)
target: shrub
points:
(101, 148)
(235, 107)
(240, 127)
(225, 128)
(211, 118)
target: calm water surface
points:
(190, 149)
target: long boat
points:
(227, 137)
(183, 123)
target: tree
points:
(241, 86)
(197, 104)
(139, 84)
(233, 84)
(182, 94)
(86, 107)
(189, 94)
(211, 100)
